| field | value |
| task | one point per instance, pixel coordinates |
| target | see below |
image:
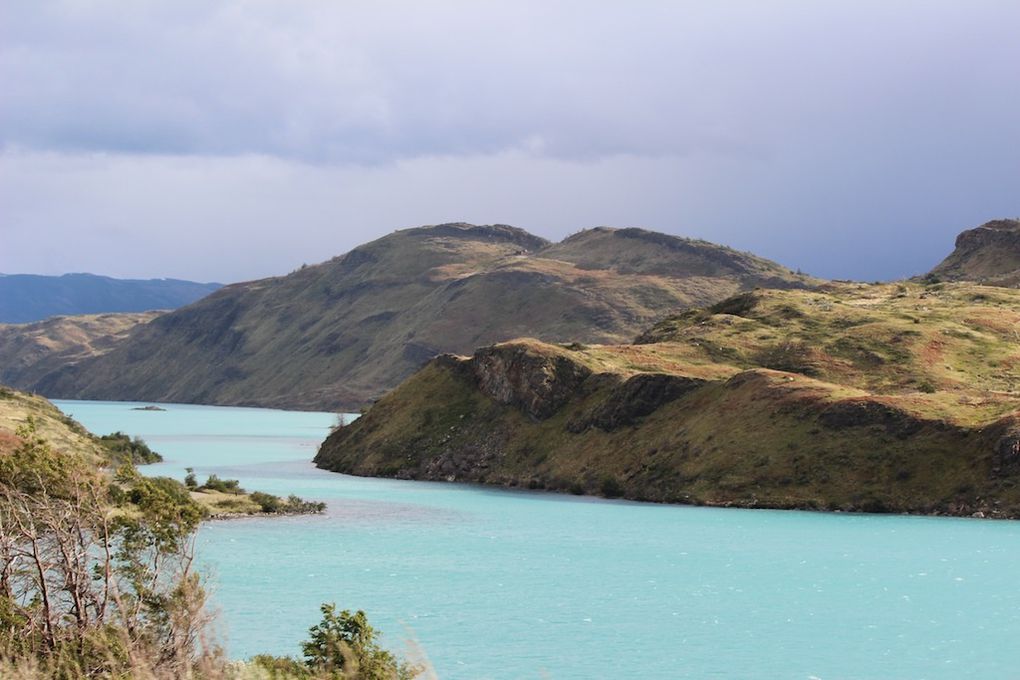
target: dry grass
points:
(63, 433)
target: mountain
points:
(989, 254)
(30, 352)
(885, 398)
(26, 297)
(341, 333)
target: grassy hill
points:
(28, 297)
(64, 434)
(341, 333)
(899, 397)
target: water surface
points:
(500, 584)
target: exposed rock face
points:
(988, 254)
(996, 232)
(472, 461)
(1007, 450)
(537, 383)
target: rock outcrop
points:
(537, 382)
(1007, 447)
(988, 254)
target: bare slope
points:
(30, 352)
(339, 334)
(989, 254)
(898, 398)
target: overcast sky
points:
(228, 140)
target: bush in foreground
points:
(96, 581)
(341, 646)
(96, 573)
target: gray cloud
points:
(850, 139)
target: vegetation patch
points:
(225, 497)
(123, 449)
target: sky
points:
(225, 140)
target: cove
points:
(513, 584)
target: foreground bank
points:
(98, 578)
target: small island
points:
(150, 407)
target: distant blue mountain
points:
(28, 297)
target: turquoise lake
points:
(506, 584)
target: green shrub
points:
(300, 506)
(214, 483)
(89, 536)
(343, 645)
(267, 502)
(122, 449)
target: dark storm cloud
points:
(847, 138)
(376, 81)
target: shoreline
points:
(983, 513)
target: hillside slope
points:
(25, 298)
(31, 352)
(339, 334)
(989, 254)
(64, 434)
(901, 398)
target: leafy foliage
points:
(214, 483)
(95, 574)
(123, 449)
(343, 645)
(293, 505)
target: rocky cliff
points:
(989, 254)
